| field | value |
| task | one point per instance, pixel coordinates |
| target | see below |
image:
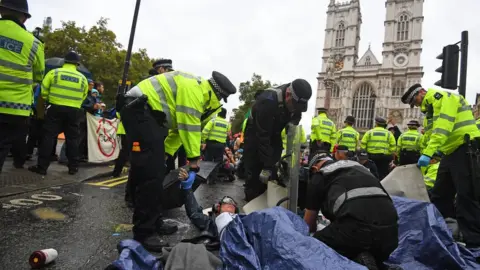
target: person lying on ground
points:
(363, 218)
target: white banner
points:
(103, 144)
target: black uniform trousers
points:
(147, 169)
(454, 178)
(123, 156)
(60, 119)
(383, 164)
(408, 157)
(182, 160)
(35, 133)
(13, 132)
(214, 151)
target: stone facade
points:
(365, 87)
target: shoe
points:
(153, 243)
(366, 259)
(72, 171)
(36, 169)
(166, 229)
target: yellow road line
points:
(116, 183)
(108, 181)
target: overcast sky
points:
(278, 39)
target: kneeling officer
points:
(363, 219)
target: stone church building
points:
(363, 86)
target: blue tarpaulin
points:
(425, 241)
(134, 257)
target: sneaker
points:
(153, 243)
(166, 229)
(36, 169)
(72, 171)
(366, 259)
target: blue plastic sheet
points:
(276, 238)
(134, 257)
(425, 241)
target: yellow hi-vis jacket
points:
(313, 126)
(183, 97)
(409, 141)
(378, 141)
(348, 137)
(430, 174)
(22, 63)
(324, 129)
(452, 118)
(216, 130)
(65, 86)
(303, 138)
(120, 128)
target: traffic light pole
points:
(462, 88)
(122, 87)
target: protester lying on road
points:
(363, 218)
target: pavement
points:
(84, 221)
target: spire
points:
(369, 45)
(332, 3)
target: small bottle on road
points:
(42, 257)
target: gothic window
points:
(368, 62)
(398, 89)
(340, 38)
(363, 106)
(402, 28)
(336, 91)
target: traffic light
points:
(449, 68)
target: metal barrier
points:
(293, 154)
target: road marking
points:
(46, 197)
(25, 202)
(8, 206)
(108, 183)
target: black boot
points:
(37, 169)
(366, 259)
(166, 229)
(72, 171)
(153, 243)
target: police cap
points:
(413, 123)
(72, 58)
(321, 110)
(412, 92)
(362, 154)
(380, 120)
(301, 93)
(16, 5)
(221, 85)
(350, 119)
(165, 63)
(342, 148)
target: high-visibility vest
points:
(22, 63)
(65, 86)
(430, 174)
(409, 141)
(452, 119)
(348, 137)
(216, 130)
(378, 141)
(303, 137)
(183, 98)
(324, 129)
(120, 128)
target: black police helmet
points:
(350, 120)
(410, 94)
(301, 93)
(221, 85)
(72, 58)
(16, 5)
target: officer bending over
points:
(363, 219)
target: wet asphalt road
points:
(83, 222)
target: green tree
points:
(100, 52)
(247, 96)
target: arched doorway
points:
(363, 107)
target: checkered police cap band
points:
(217, 88)
(296, 97)
(413, 94)
(165, 65)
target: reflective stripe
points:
(188, 110)
(63, 96)
(163, 99)
(71, 73)
(463, 108)
(67, 88)
(190, 128)
(464, 123)
(171, 81)
(55, 76)
(15, 66)
(356, 193)
(12, 105)
(33, 52)
(441, 131)
(447, 117)
(8, 78)
(340, 165)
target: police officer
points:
(214, 135)
(22, 64)
(272, 111)
(176, 101)
(163, 65)
(325, 132)
(380, 146)
(363, 218)
(348, 136)
(408, 144)
(64, 90)
(456, 137)
(362, 158)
